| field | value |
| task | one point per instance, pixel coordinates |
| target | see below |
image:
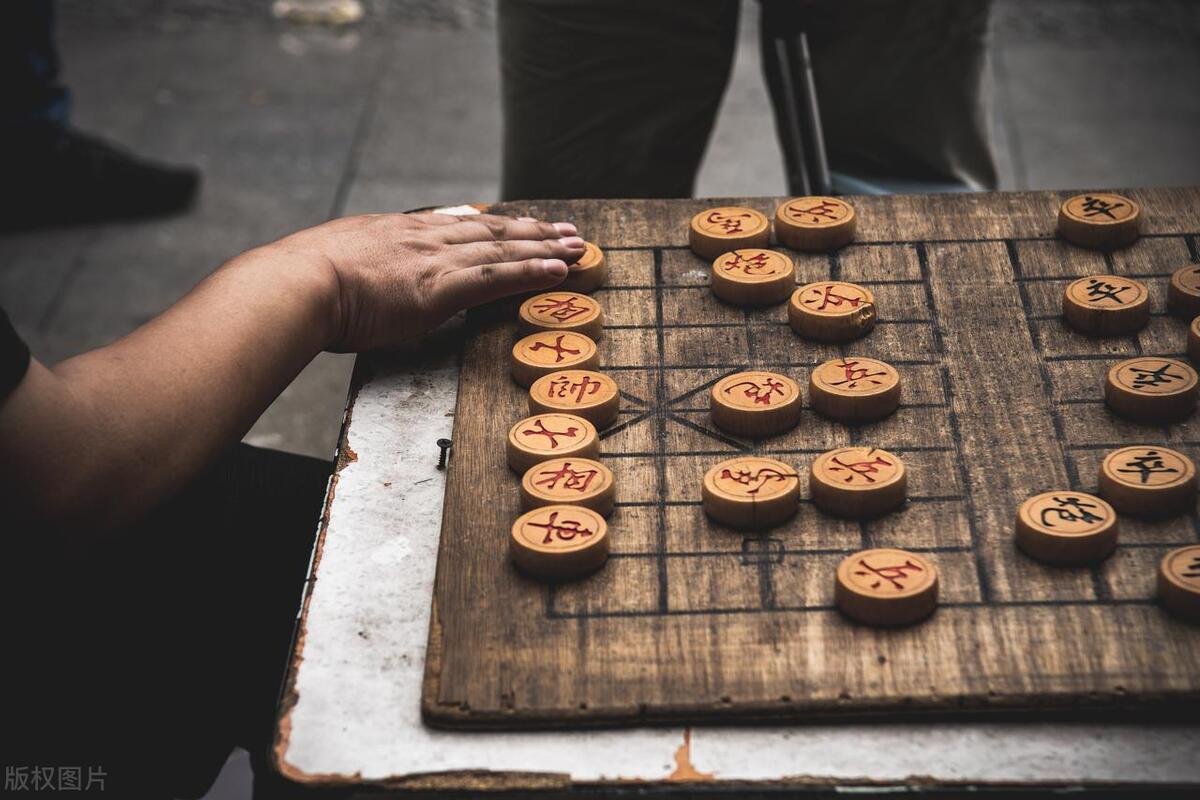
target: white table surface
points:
(352, 712)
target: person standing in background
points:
(901, 84)
(54, 174)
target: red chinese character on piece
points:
(539, 429)
(562, 385)
(892, 575)
(566, 530)
(756, 264)
(828, 297)
(558, 347)
(855, 373)
(560, 308)
(729, 223)
(759, 393)
(865, 469)
(826, 209)
(757, 479)
(579, 480)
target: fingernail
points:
(566, 228)
(555, 268)
(573, 242)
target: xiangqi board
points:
(691, 620)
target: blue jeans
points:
(32, 96)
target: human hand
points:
(399, 275)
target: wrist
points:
(306, 278)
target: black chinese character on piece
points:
(1070, 509)
(1098, 291)
(1145, 465)
(1144, 376)
(1094, 206)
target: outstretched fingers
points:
(488, 228)
(568, 249)
(472, 286)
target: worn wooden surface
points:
(692, 621)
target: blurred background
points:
(298, 111)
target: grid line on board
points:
(1099, 585)
(660, 437)
(646, 248)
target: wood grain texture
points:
(693, 621)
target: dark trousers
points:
(617, 98)
(30, 94)
(163, 648)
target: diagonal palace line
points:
(629, 423)
(707, 384)
(687, 423)
(633, 398)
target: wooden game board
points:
(692, 621)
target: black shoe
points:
(61, 176)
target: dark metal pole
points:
(792, 136)
(817, 167)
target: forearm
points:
(132, 422)
(102, 438)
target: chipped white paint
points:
(359, 683)
(459, 211)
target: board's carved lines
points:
(1053, 317)
(1115, 445)
(741, 365)
(759, 324)
(780, 451)
(753, 324)
(1108, 356)
(707, 385)
(766, 577)
(1071, 278)
(788, 551)
(646, 326)
(660, 422)
(933, 498)
(981, 570)
(1047, 239)
(633, 398)
(698, 409)
(1099, 586)
(832, 609)
(620, 426)
(773, 551)
(711, 433)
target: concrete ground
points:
(293, 125)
